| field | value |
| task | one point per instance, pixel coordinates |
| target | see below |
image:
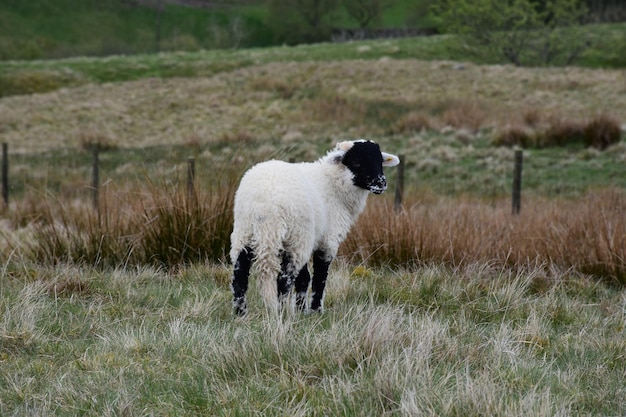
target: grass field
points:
(450, 306)
(421, 341)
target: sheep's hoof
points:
(240, 307)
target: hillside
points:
(316, 99)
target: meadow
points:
(449, 305)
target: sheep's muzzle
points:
(378, 184)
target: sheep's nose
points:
(378, 184)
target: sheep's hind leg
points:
(321, 263)
(239, 285)
(286, 278)
(302, 286)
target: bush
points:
(414, 121)
(515, 136)
(561, 132)
(524, 32)
(601, 132)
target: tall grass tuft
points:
(72, 232)
(599, 132)
(182, 227)
(167, 227)
(162, 226)
(588, 235)
(602, 131)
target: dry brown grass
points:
(157, 225)
(165, 227)
(599, 131)
(587, 235)
(320, 100)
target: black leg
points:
(286, 277)
(320, 273)
(239, 285)
(302, 286)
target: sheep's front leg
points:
(321, 263)
(302, 286)
(239, 285)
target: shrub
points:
(467, 114)
(514, 135)
(414, 121)
(601, 132)
(560, 132)
(91, 140)
(523, 32)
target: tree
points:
(524, 32)
(296, 21)
(365, 12)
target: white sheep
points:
(286, 213)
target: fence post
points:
(399, 185)
(5, 173)
(517, 181)
(191, 175)
(95, 176)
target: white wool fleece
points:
(297, 207)
(304, 206)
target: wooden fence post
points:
(517, 181)
(5, 173)
(399, 185)
(95, 176)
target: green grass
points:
(437, 163)
(477, 341)
(20, 77)
(60, 28)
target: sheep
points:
(287, 213)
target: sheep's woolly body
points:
(286, 214)
(294, 207)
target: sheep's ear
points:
(390, 160)
(336, 157)
(344, 146)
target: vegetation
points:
(523, 32)
(447, 305)
(600, 132)
(61, 28)
(45, 29)
(27, 77)
(431, 340)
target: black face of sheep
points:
(365, 160)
